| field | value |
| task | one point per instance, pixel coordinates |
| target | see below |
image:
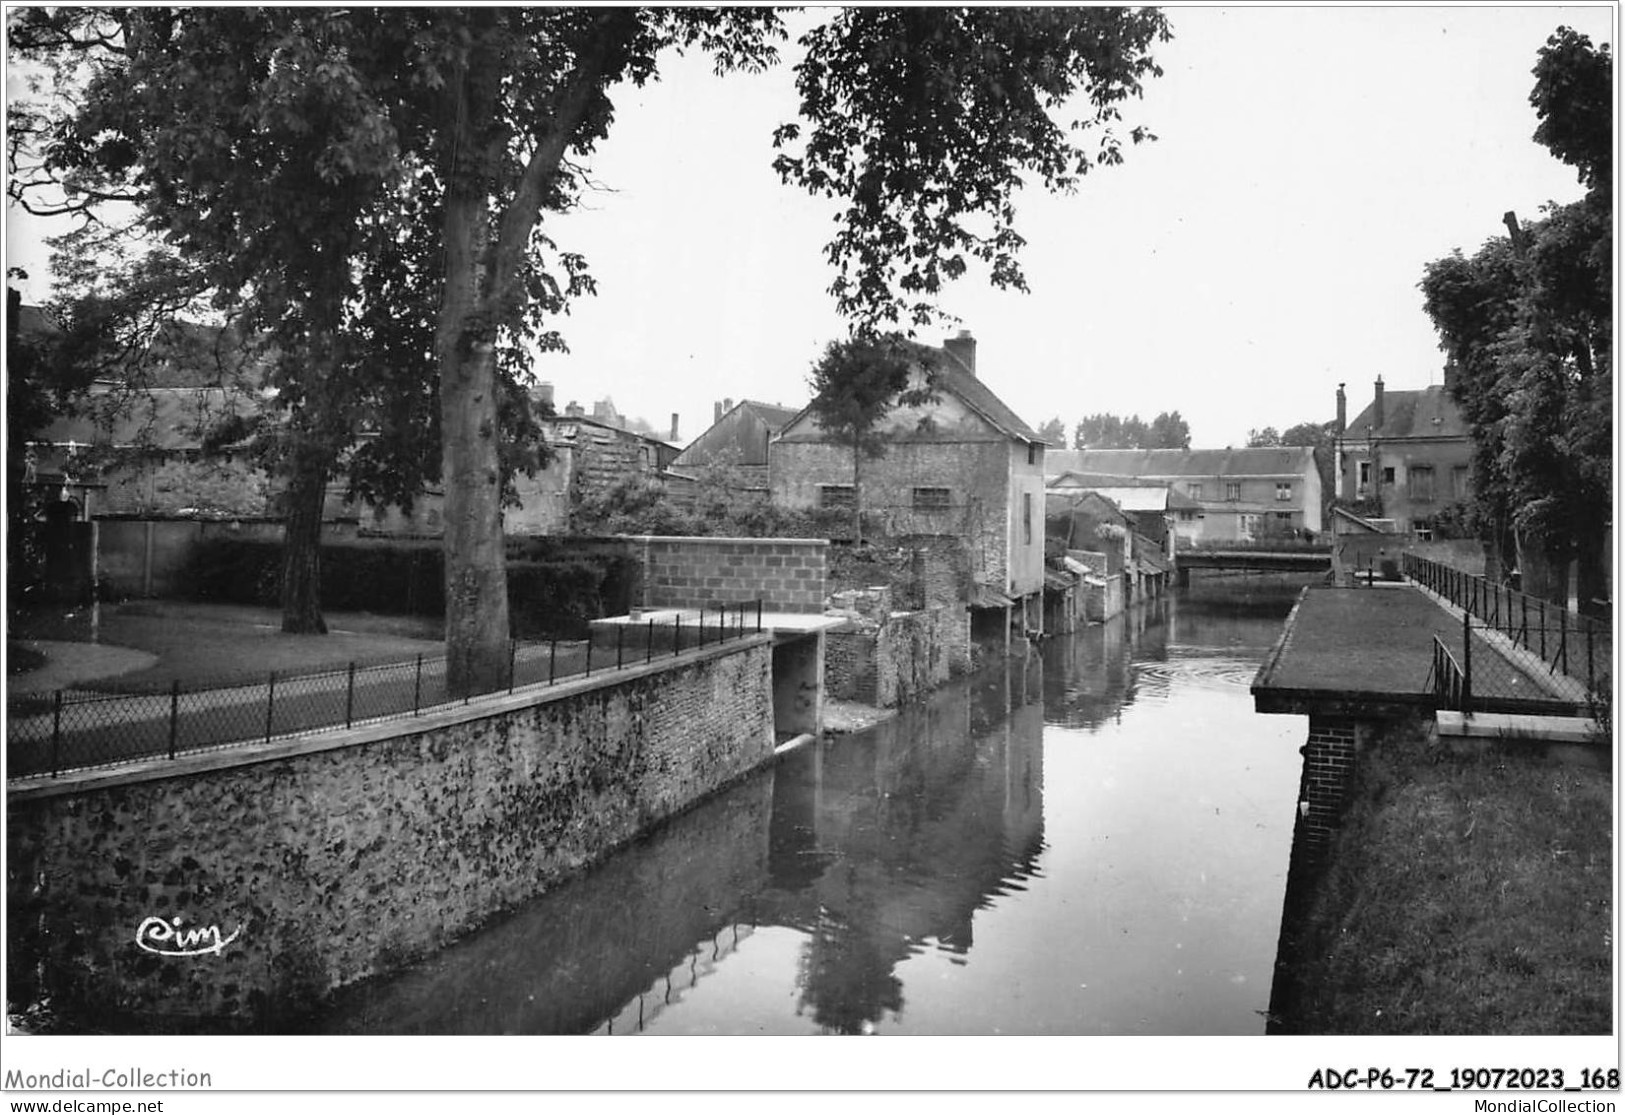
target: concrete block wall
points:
(341, 856)
(787, 574)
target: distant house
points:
(738, 437)
(165, 443)
(1147, 512)
(1238, 494)
(1405, 458)
(961, 465)
(143, 452)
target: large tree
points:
(1527, 324)
(855, 384)
(923, 123)
(274, 177)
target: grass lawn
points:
(213, 644)
(1467, 894)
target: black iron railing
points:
(1577, 646)
(1449, 682)
(63, 730)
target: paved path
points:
(1371, 645)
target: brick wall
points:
(1328, 767)
(348, 855)
(787, 574)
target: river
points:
(1091, 839)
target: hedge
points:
(551, 592)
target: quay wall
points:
(328, 859)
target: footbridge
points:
(1263, 558)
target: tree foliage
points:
(1168, 430)
(926, 121)
(856, 383)
(1527, 324)
(1053, 432)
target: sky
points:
(1309, 163)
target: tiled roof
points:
(955, 377)
(1159, 463)
(1430, 412)
(776, 417)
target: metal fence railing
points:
(51, 733)
(1577, 647)
(1447, 680)
(1490, 675)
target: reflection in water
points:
(1091, 840)
(899, 841)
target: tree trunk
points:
(302, 549)
(476, 575)
(1542, 572)
(484, 252)
(857, 495)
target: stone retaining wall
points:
(332, 858)
(891, 661)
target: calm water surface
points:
(1091, 841)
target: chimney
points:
(1342, 409)
(573, 409)
(544, 394)
(1451, 371)
(1377, 414)
(727, 404)
(716, 412)
(674, 425)
(963, 346)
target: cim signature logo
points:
(167, 938)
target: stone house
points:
(1238, 494)
(148, 452)
(962, 465)
(1405, 458)
(1131, 525)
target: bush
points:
(552, 592)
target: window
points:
(1283, 490)
(1027, 517)
(1458, 482)
(1421, 478)
(1032, 453)
(930, 499)
(1187, 516)
(1388, 475)
(1365, 477)
(1194, 491)
(1284, 517)
(836, 497)
(1232, 490)
(1423, 529)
